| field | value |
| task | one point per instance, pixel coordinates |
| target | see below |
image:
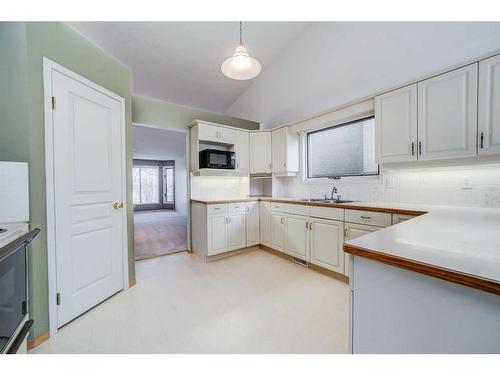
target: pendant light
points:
(241, 66)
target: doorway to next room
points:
(159, 175)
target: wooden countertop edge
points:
(402, 211)
(426, 269)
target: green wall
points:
(155, 112)
(14, 126)
(22, 124)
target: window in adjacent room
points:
(342, 150)
(153, 184)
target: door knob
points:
(117, 205)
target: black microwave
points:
(218, 159)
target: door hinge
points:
(53, 102)
(58, 299)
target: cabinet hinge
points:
(53, 102)
(58, 299)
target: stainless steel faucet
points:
(334, 191)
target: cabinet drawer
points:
(399, 218)
(216, 209)
(236, 207)
(278, 207)
(379, 219)
(297, 209)
(327, 213)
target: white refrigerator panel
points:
(14, 196)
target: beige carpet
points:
(159, 233)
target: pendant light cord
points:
(241, 33)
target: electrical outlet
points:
(466, 182)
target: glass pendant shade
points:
(241, 66)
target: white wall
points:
(181, 193)
(334, 63)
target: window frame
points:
(305, 151)
(160, 164)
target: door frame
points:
(188, 173)
(48, 67)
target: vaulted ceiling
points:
(179, 62)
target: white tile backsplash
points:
(438, 185)
(219, 187)
(14, 198)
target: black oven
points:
(13, 287)
(218, 159)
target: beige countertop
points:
(459, 244)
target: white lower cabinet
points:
(326, 244)
(297, 236)
(252, 223)
(236, 232)
(217, 233)
(278, 230)
(265, 223)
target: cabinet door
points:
(447, 111)
(260, 152)
(278, 231)
(297, 236)
(252, 223)
(354, 231)
(396, 125)
(489, 106)
(227, 135)
(279, 149)
(236, 234)
(265, 223)
(217, 234)
(327, 242)
(242, 144)
(208, 133)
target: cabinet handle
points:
(412, 148)
(482, 139)
(282, 220)
(346, 234)
(307, 225)
(366, 217)
(420, 147)
(310, 226)
(284, 164)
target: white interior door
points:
(87, 157)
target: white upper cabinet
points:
(396, 125)
(214, 133)
(489, 106)
(447, 114)
(260, 152)
(285, 151)
(241, 149)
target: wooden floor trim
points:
(314, 267)
(38, 340)
(426, 269)
(131, 283)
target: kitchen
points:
(333, 205)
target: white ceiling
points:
(179, 62)
(157, 144)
